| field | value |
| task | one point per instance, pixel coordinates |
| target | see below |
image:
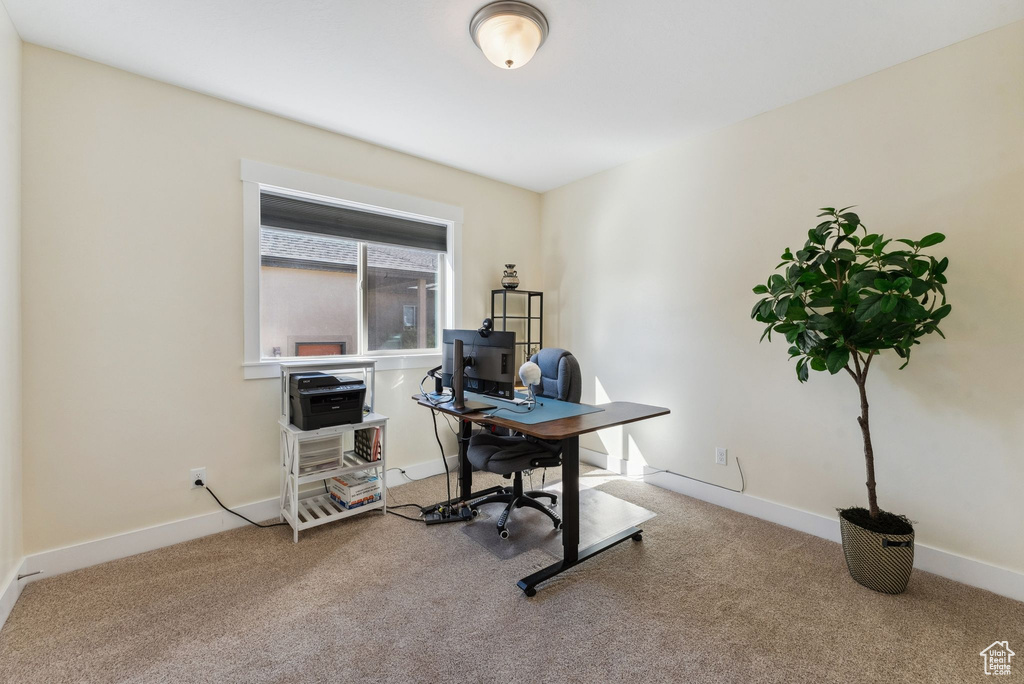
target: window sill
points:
(258, 370)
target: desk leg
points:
(465, 467)
(571, 500)
(572, 554)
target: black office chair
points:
(510, 456)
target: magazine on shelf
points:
(367, 444)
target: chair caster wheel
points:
(475, 512)
(504, 535)
(530, 591)
(559, 525)
(638, 536)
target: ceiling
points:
(614, 81)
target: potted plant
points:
(844, 298)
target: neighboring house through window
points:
(342, 278)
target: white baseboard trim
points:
(86, 554)
(10, 590)
(944, 563)
(418, 471)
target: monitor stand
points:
(468, 407)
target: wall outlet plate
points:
(721, 456)
(194, 474)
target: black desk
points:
(568, 430)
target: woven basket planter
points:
(882, 562)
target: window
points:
(335, 269)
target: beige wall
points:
(132, 283)
(649, 266)
(304, 305)
(10, 299)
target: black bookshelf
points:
(508, 307)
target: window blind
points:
(293, 213)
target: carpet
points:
(709, 595)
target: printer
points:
(320, 400)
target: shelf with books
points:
(346, 458)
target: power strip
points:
(462, 515)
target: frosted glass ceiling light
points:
(508, 33)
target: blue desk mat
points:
(544, 411)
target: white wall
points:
(10, 299)
(133, 293)
(649, 266)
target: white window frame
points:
(257, 176)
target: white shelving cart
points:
(309, 456)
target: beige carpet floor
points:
(709, 596)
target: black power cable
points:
(447, 473)
(391, 512)
(200, 483)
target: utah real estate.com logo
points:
(997, 658)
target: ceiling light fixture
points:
(508, 33)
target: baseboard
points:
(944, 563)
(418, 471)
(10, 590)
(86, 554)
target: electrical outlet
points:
(196, 474)
(721, 456)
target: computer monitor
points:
(489, 361)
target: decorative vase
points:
(882, 562)
(510, 279)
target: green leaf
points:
(882, 285)
(781, 307)
(902, 284)
(912, 243)
(837, 360)
(931, 239)
(889, 302)
(757, 307)
(761, 289)
(919, 267)
(913, 309)
(814, 236)
(941, 312)
(843, 255)
(818, 364)
(941, 266)
(819, 322)
(869, 307)
(801, 370)
(868, 239)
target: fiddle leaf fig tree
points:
(849, 295)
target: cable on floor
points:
(391, 512)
